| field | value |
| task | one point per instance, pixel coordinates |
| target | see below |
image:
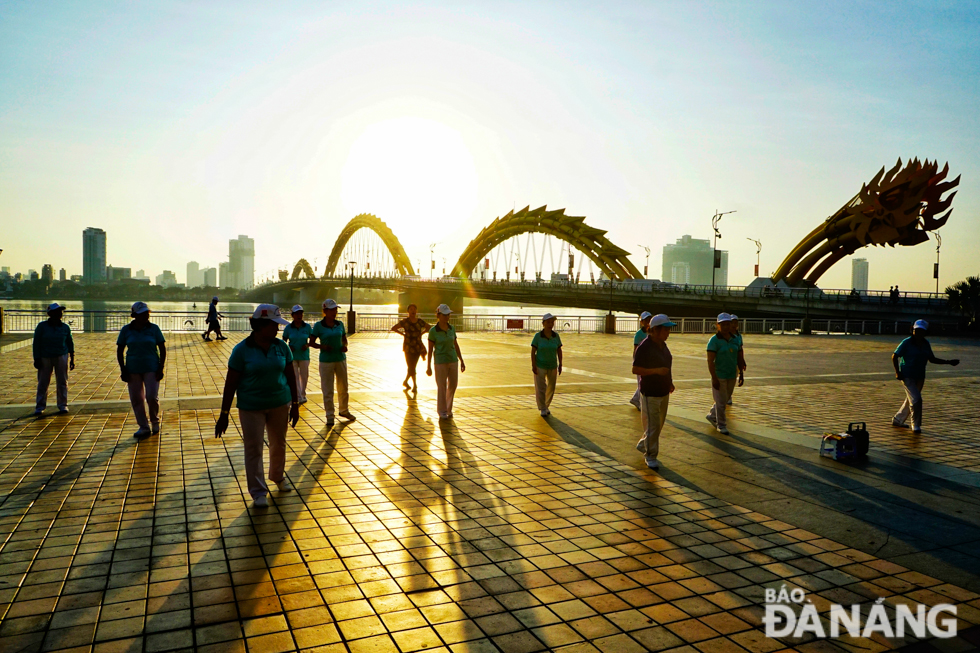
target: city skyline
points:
(644, 118)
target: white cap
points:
(269, 312)
(919, 324)
(724, 317)
(645, 315)
(734, 317)
(329, 303)
(140, 307)
(444, 309)
(661, 320)
(546, 317)
(297, 309)
(55, 307)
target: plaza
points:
(500, 530)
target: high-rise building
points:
(32, 275)
(859, 273)
(93, 255)
(224, 275)
(167, 279)
(113, 273)
(689, 262)
(47, 273)
(62, 275)
(209, 277)
(194, 277)
(241, 262)
(141, 275)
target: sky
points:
(176, 126)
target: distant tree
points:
(964, 296)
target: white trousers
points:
(255, 424)
(328, 373)
(145, 387)
(302, 370)
(447, 378)
(59, 365)
(912, 404)
(721, 396)
(653, 414)
(544, 387)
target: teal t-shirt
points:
(547, 355)
(639, 337)
(296, 339)
(726, 356)
(912, 358)
(332, 336)
(141, 347)
(263, 384)
(445, 349)
(52, 340)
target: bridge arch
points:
(368, 221)
(303, 265)
(609, 258)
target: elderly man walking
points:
(652, 362)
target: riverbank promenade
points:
(500, 530)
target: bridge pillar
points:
(610, 323)
(428, 299)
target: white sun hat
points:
(546, 317)
(921, 324)
(296, 309)
(444, 309)
(645, 315)
(329, 303)
(724, 317)
(269, 312)
(661, 320)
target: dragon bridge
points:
(303, 266)
(368, 221)
(895, 208)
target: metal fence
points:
(24, 321)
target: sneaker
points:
(330, 422)
(143, 432)
(711, 419)
(900, 425)
(443, 415)
(155, 428)
(653, 463)
(544, 413)
(302, 400)
(723, 430)
(205, 336)
(729, 402)
(207, 340)
(221, 338)
(285, 485)
(261, 501)
(347, 416)
(917, 431)
(449, 416)
(38, 412)
(62, 411)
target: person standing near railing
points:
(54, 350)
(297, 335)
(737, 335)
(723, 367)
(214, 321)
(142, 368)
(637, 339)
(411, 329)
(546, 363)
(333, 360)
(444, 347)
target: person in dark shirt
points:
(652, 362)
(909, 361)
(214, 322)
(411, 329)
(54, 350)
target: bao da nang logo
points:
(791, 614)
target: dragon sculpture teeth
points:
(898, 207)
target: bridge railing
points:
(24, 321)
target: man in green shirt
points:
(723, 366)
(333, 360)
(54, 350)
(546, 362)
(444, 351)
(297, 335)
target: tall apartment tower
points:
(224, 275)
(93, 255)
(859, 274)
(47, 272)
(194, 276)
(241, 262)
(689, 261)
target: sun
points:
(414, 174)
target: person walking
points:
(723, 367)
(737, 335)
(909, 361)
(297, 335)
(213, 321)
(333, 360)
(637, 339)
(142, 368)
(54, 351)
(411, 329)
(652, 362)
(261, 374)
(444, 347)
(546, 362)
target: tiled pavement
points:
(402, 534)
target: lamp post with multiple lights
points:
(715, 260)
(351, 315)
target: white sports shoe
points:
(723, 430)
(653, 463)
(285, 485)
(261, 501)
(711, 419)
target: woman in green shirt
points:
(142, 368)
(260, 372)
(546, 360)
(444, 347)
(297, 336)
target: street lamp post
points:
(646, 265)
(432, 258)
(935, 272)
(715, 260)
(758, 254)
(351, 315)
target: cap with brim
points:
(297, 309)
(444, 309)
(140, 307)
(55, 307)
(269, 312)
(215, 298)
(645, 315)
(734, 317)
(661, 320)
(724, 317)
(546, 317)
(921, 324)
(329, 304)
